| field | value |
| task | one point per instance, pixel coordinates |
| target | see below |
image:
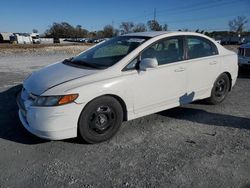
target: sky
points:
(93, 15)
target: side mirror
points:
(148, 63)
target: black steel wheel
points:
(220, 89)
(100, 119)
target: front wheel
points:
(220, 89)
(100, 119)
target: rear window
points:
(198, 47)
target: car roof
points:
(158, 33)
(148, 34)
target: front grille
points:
(247, 52)
(241, 51)
(244, 52)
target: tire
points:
(100, 119)
(220, 89)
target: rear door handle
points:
(181, 69)
(213, 63)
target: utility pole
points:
(154, 14)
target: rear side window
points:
(198, 47)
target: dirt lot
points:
(195, 145)
(41, 49)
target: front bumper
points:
(52, 123)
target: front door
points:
(165, 86)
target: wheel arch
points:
(122, 103)
(230, 79)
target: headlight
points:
(55, 100)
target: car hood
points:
(53, 75)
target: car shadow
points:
(208, 118)
(10, 126)
(244, 72)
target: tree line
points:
(66, 30)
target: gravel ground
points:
(195, 145)
(17, 50)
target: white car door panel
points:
(159, 87)
(203, 66)
(164, 85)
(201, 74)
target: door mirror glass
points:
(148, 63)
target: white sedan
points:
(124, 78)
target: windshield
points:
(108, 53)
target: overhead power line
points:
(199, 5)
(201, 18)
(204, 7)
(186, 8)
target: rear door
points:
(203, 65)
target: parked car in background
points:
(56, 40)
(35, 38)
(5, 37)
(100, 40)
(124, 78)
(83, 40)
(21, 38)
(219, 41)
(244, 55)
(97, 40)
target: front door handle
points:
(181, 69)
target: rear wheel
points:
(100, 119)
(220, 89)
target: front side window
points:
(108, 53)
(166, 51)
(198, 47)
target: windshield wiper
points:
(83, 63)
(68, 60)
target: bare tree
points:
(100, 34)
(199, 31)
(165, 27)
(65, 30)
(126, 27)
(140, 27)
(238, 24)
(154, 25)
(80, 32)
(109, 31)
